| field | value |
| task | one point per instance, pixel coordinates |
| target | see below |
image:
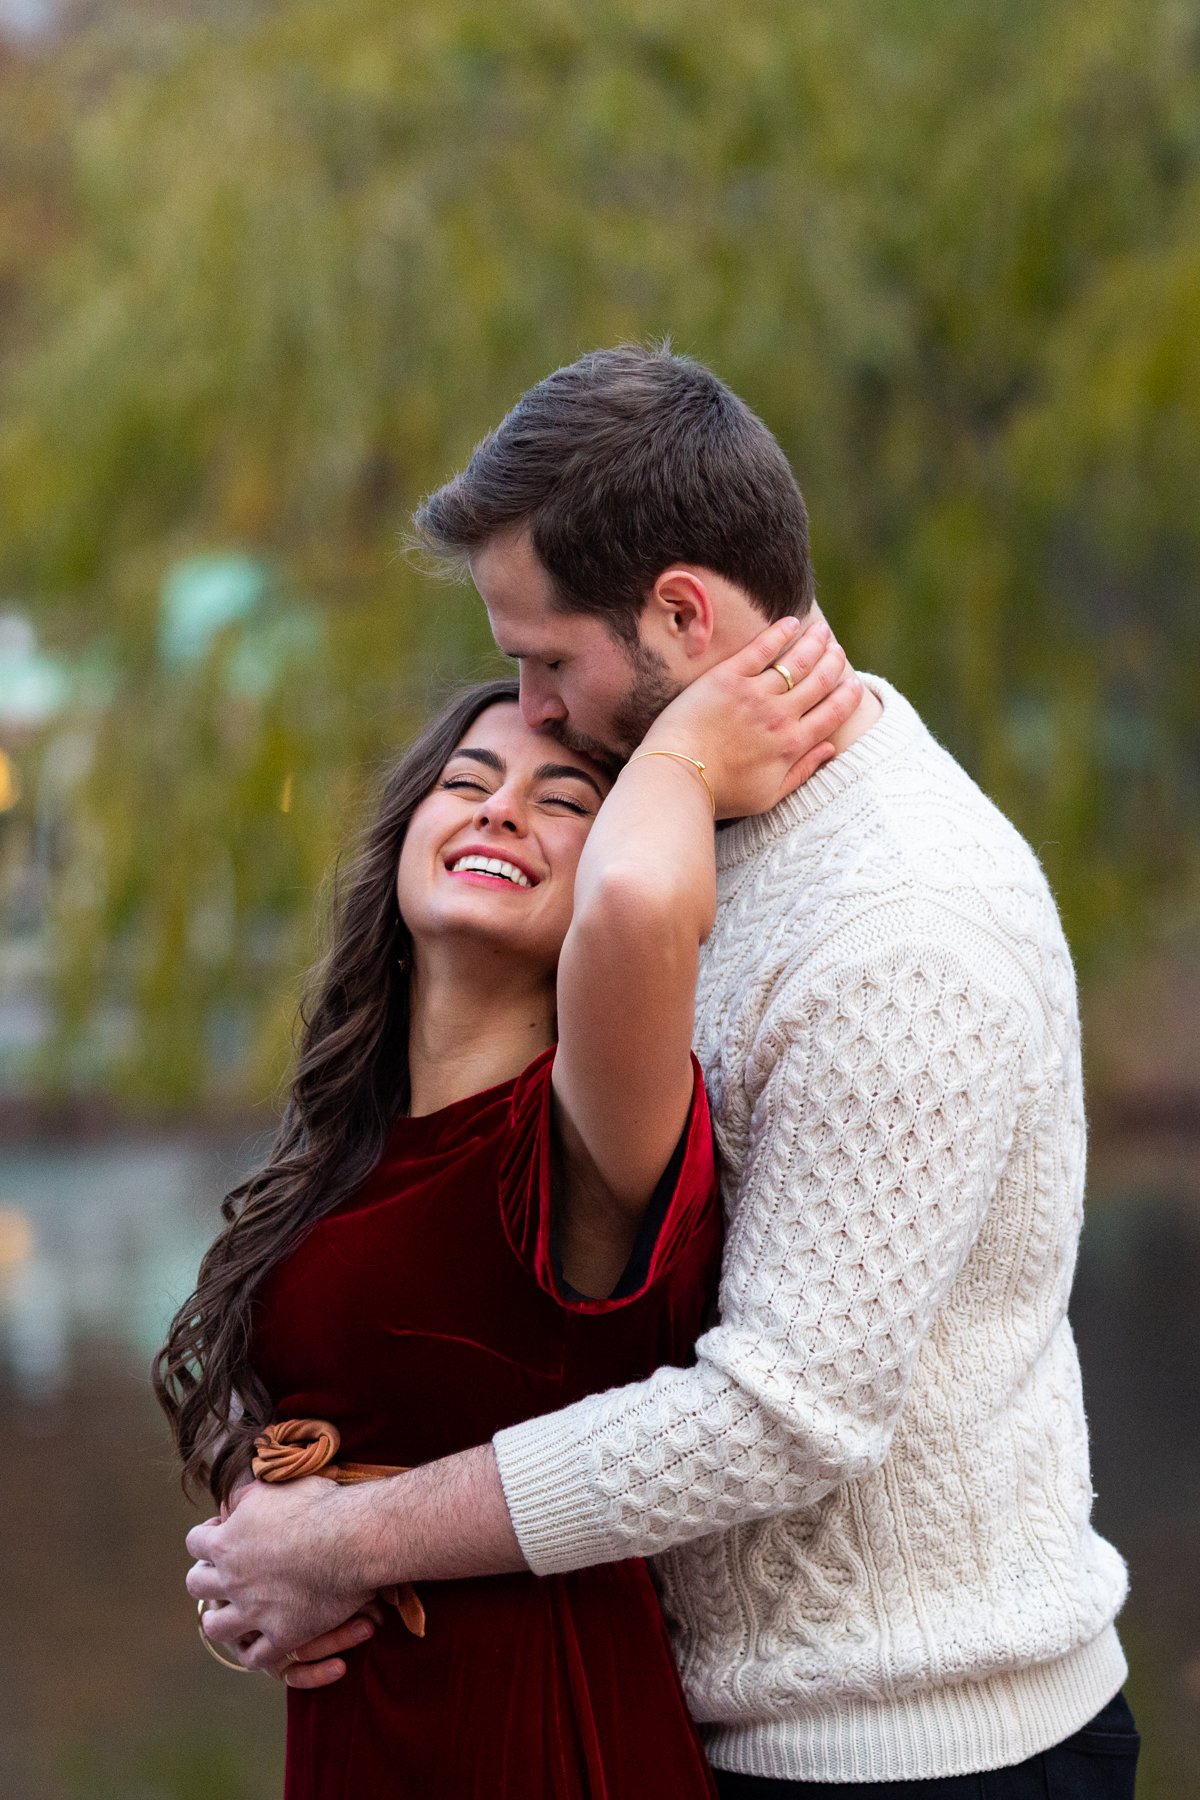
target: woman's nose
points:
(502, 811)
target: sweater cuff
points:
(550, 1501)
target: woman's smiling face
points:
(492, 851)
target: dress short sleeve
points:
(689, 1211)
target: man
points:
(869, 1498)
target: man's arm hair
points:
(441, 1522)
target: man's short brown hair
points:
(619, 465)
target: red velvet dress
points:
(420, 1317)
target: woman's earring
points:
(402, 962)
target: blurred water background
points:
(268, 268)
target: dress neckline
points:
(407, 1127)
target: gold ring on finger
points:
(239, 1668)
(786, 673)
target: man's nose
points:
(540, 705)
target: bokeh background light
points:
(268, 269)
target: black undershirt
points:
(638, 1267)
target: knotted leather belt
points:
(296, 1447)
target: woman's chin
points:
(467, 932)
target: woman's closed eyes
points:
(471, 783)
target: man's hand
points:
(291, 1565)
(758, 738)
(277, 1566)
(321, 1661)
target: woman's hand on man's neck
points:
(474, 1023)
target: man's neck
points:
(740, 621)
(868, 712)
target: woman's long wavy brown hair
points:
(350, 1080)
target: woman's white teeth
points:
(491, 865)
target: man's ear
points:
(678, 615)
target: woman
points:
(493, 1192)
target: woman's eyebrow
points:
(568, 772)
(488, 758)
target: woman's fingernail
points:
(790, 624)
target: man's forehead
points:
(516, 596)
(525, 625)
(519, 598)
(517, 634)
(518, 607)
(508, 565)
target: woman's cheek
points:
(414, 855)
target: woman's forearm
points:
(645, 895)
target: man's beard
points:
(651, 689)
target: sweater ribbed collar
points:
(899, 727)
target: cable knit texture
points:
(869, 1499)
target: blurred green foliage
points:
(268, 271)
(202, 1758)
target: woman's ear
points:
(679, 617)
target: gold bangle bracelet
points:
(237, 1667)
(680, 757)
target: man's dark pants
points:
(1097, 1763)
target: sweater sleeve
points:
(885, 1097)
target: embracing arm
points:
(866, 1183)
(855, 1210)
(645, 900)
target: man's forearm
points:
(440, 1522)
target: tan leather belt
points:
(296, 1447)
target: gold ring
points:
(786, 673)
(240, 1668)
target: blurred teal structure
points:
(202, 596)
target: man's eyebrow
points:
(569, 772)
(548, 653)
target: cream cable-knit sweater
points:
(869, 1498)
